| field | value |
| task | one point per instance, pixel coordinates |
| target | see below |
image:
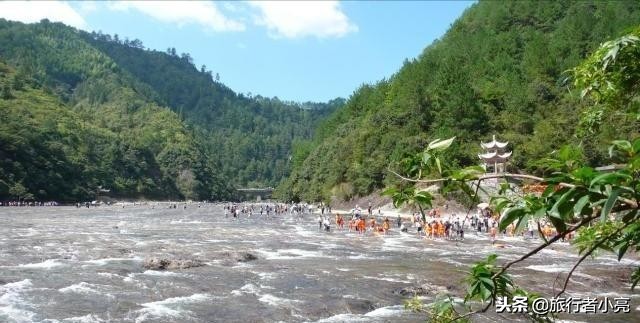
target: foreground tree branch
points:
(587, 254)
(544, 245)
(631, 203)
(480, 178)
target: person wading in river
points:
(339, 221)
(362, 226)
(327, 224)
(386, 225)
(493, 231)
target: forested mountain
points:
(85, 111)
(500, 69)
(252, 135)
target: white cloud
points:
(202, 13)
(34, 11)
(298, 19)
(88, 6)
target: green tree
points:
(497, 70)
(20, 192)
(5, 92)
(602, 207)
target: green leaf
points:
(609, 178)
(623, 145)
(426, 156)
(423, 197)
(635, 278)
(636, 146)
(584, 173)
(467, 173)
(509, 216)
(440, 144)
(487, 281)
(557, 211)
(558, 224)
(582, 202)
(622, 250)
(608, 205)
(390, 191)
(485, 293)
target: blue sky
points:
(296, 51)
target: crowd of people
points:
(29, 203)
(436, 224)
(265, 209)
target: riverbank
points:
(382, 206)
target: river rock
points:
(410, 291)
(231, 257)
(424, 289)
(245, 256)
(359, 306)
(156, 263)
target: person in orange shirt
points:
(427, 230)
(435, 229)
(361, 226)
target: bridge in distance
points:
(257, 194)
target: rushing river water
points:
(62, 264)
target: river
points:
(63, 264)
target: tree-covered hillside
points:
(250, 136)
(50, 151)
(79, 113)
(500, 69)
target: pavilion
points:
(495, 155)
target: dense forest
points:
(501, 69)
(86, 112)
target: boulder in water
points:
(231, 257)
(424, 289)
(410, 291)
(156, 263)
(245, 256)
(436, 289)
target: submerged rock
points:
(245, 256)
(230, 257)
(424, 289)
(156, 263)
(410, 291)
(359, 306)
